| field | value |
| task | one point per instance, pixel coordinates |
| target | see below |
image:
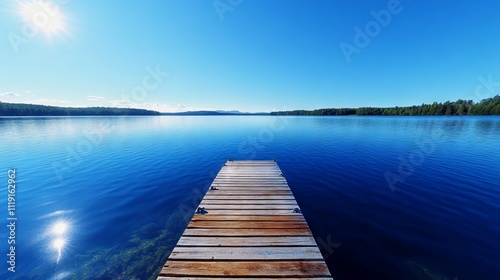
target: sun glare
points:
(60, 228)
(58, 244)
(44, 16)
(59, 231)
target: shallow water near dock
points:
(385, 197)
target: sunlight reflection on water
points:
(58, 233)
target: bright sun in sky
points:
(46, 17)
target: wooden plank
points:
(241, 165)
(250, 180)
(246, 253)
(246, 224)
(250, 212)
(246, 192)
(289, 218)
(252, 174)
(250, 162)
(267, 168)
(273, 183)
(248, 268)
(248, 206)
(246, 232)
(241, 278)
(207, 201)
(250, 168)
(248, 189)
(279, 185)
(257, 163)
(249, 183)
(253, 197)
(288, 241)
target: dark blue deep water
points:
(386, 197)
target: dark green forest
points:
(489, 106)
(14, 109)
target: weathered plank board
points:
(246, 253)
(249, 206)
(249, 212)
(240, 278)
(253, 188)
(246, 232)
(206, 201)
(248, 268)
(245, 197)
(288, 241)
(249, 192)
(246, 224)
(250, 228)
(242, 185)
(290, 218)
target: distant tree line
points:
(14, 109)
(489, 106)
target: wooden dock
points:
(248, 225)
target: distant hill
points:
(15, 109)
(214, 113)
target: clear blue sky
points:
(254, 56)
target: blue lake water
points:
(385, 197)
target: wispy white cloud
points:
(9, 93)
(94, 98)
(28, 92)
(121, 103)
(160, 107)
(46, 101)
(56, 213)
